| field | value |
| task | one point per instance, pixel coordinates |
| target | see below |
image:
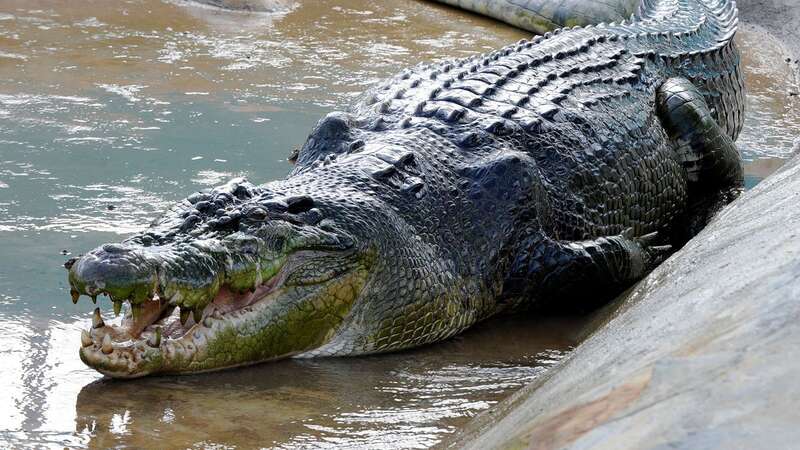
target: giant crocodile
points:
(556, 171)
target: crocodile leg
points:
(712, 164)
(581, 275)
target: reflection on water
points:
(109, 111)
(411, 398)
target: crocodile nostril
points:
(70, 262)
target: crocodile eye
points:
(299, 204)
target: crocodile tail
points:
(541, 16)
(696, 37)
(714, 18)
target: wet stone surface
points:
(701, 354)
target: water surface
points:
(110, 111)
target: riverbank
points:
(781, 18)
(700, 354)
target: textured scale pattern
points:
(553, 138)
(555, 171)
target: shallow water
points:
(772, 119)
(111, 111)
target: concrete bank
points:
(703, 353)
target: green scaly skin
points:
(556, 171)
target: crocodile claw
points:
(648, 240)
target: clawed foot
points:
(653, 253)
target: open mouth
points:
(158, 319)
(158, 328)
(190, 330)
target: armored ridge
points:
(685, 38)
(558, 170)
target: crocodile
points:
(553, 172)
(541, 16)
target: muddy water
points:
(109, 111)
(772, 120)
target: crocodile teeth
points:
(155, 339)
(136, 312)
(75, 295)
(86, 339)
(97, 319)
(198, 315)
(107, 347)
(117, 308)
(184, 315)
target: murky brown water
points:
(772, 122)
(109, 111)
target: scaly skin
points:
(541, 16)
(553, 171)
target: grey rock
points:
(703, 353)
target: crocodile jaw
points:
(274, 322)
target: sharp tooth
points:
(117, 307)
(184, 315)
(198, 315)
(136, 312)
(75, 295)
(86, 339)
(97, 319)
(155, 339)
(107, 347)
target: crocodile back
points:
(580, 102)
(471, 160)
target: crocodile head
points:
(230, 277)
